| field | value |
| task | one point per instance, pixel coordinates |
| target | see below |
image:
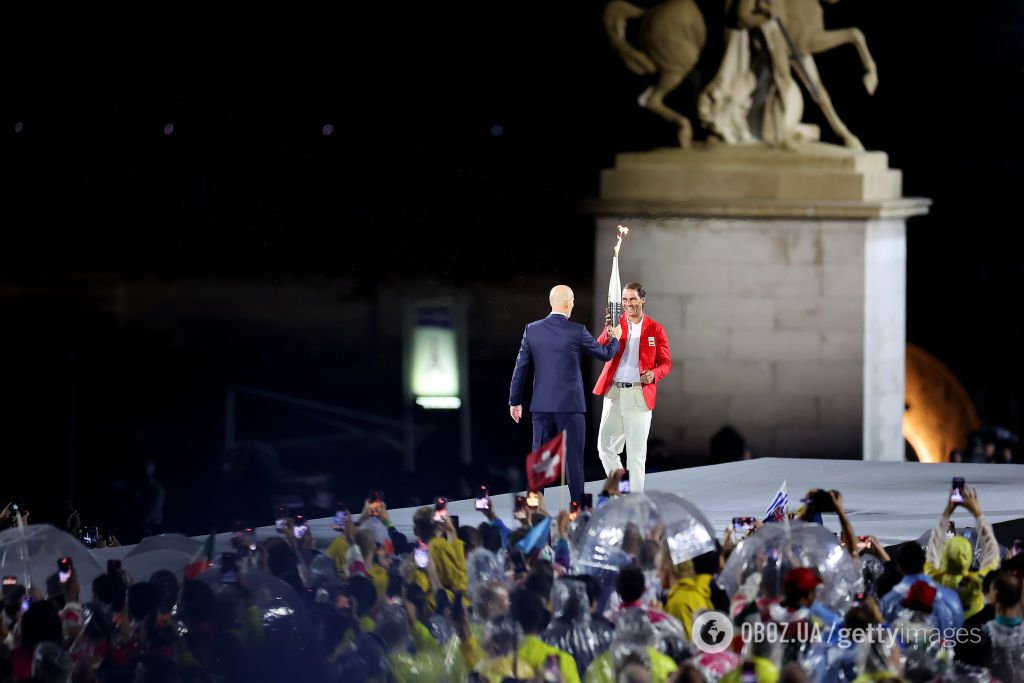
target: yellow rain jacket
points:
(948, 561)
(337, 551)
(765, 671)
(602, 669)
(497, 669)
(535, 652)
(450, 560)
(688, 596)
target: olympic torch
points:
(614, 286)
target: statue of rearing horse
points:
(673, 34)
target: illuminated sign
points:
(434, 359)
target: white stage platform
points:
(894, 501)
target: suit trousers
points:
(547, 426)
(625, 421)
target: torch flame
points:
(623, 232)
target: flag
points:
(544, 465)
(536, 538)
(202, 559)
(776, 512)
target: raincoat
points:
(572, 629)
(688, 596)
(1007, 651)
(948, 561)
(603, 668)
(535, 652)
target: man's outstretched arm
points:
(592, 348)
(524, 363)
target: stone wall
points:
(770, 331)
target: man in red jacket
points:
(629, 386)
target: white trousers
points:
(625, 421)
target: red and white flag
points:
(544, 465)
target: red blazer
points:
(654, 355)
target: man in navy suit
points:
(553, 347)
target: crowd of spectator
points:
(492, 603)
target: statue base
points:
(809, 179)
(780, 278)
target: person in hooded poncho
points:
(948, 560)
(572, 629)
(631, 643)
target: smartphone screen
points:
(742, 523)
(440, 510)
(340, 515)
(624, 483)
(532, 499)
(552, 668)
(300, 527)
(863, 543)
(280, 515)
(421, 555)
(519, 512)
(957, 494)
(482, 501)
(10, 580)
(228, 568)
(574, 510)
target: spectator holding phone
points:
(487, 509)
(819, 501)
(528, 610)
(445, 550)
(948, 560)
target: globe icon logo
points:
(712, 632)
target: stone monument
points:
(775, 262)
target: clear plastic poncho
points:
(571, 628)
(632, 642)
(488, 592)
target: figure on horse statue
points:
(753, 97)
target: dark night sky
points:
(414, 183)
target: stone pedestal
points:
(780, 279)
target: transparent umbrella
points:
(140, 566)
(177, 542)
(612, 537)
(281, 608)
(765, 557)
(31, 553)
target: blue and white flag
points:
(780, 506)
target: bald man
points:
(553, 348)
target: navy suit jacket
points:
(553, 348)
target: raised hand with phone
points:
(952, 555)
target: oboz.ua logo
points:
(712, 632)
